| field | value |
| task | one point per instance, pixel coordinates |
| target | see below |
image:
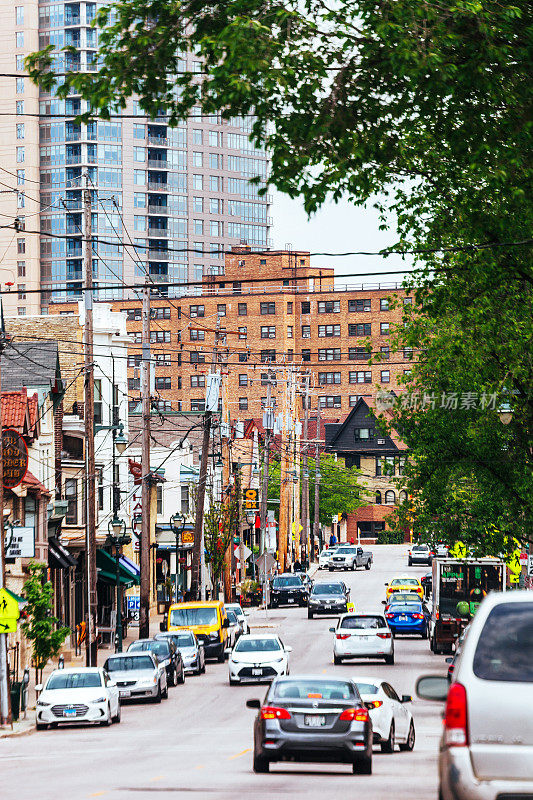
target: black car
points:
(328, 598)
(288, 589)
(167, 655)
(312, 719)
(427, 582)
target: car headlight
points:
(42, 703)
(278, 660)
(315, 602)
(235, 661)
(100, 700)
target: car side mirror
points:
(253, 704)
(111, 683)
(383, 602)
(162, 627)
(386, 584)
(288, 649)
(406, 698)
(246, 613)
(432, 687)
(225, 623)
(39, 687)
(449, 659)
(332, 630)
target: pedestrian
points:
(332, 540)
(297, 566)
(352, 540)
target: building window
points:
(268, 356)
(196, 335)
(384, 304)
(329, 306)
(243, 332)
(306, 307)
(198, 182)
(360, 329)
(330, 401)
(328, 377)
(407, 371)
(160, 313)
(385, 328)
(21, 269)
(197, 358)
(139, 177)
(98, 405)
(268, 331)
(21, 291)
(221, 309)
(290, 332)
(289, 308)
(163, 359)
(243, 379)
(390, 498)
(19, 107)
(197, 311)
(242, 309)
(71, 496)
(134, 384)
(359, 305)
(353, 399)
(159, 498)
(329, 330)
(243, 358)
(408, 301)
(267, 308)
(363, 434)
(329, 354)
(360, 376)
(20, 155)
(408, 353)
(267, 378)
(306, 331)
(197, 381)
(306, 355)
(19, 82)
(401, 465)
(19, 15)
(160, 336)
(133, 314)
(197, 136)
(403, 496)
(197, 159)
(198, 404)
(243, 404)
(163, 383)
(378, 498)
(139, 154)
(385, 376)
(385, 352)
(135, 360)
(21, 311)
(358, 354)
(385, 465)
(21, 177)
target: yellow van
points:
(208, 621)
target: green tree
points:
(221, 522)
(340, 491)
(41, 628)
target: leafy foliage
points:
(221, 522)
(41, 627)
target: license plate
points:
(314, 721)
(403, 618)
(69, 712)
(257, 672)
(124, 693)
(290, 600)
(327, 605)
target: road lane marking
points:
(200, 766)
(98, 794)
(157, 778)
(242, 753)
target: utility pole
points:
(305, 473)
(268, 418)
(196, 584)
(242, 563)
(146, 475)
(91, 642)
(284, 494)
(5, 699)
(316, 537)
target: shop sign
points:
(15, 458)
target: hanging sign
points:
(20, 542)
(15, 458)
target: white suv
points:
(487, 743)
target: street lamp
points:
(177, 524)
(120, 440)
(117, 538)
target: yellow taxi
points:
(407, 584)
(208, 620)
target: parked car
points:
(330, 597)
(138, 675)
(191, 648)
(241, 616)
(362, 636)
(350, 557)
(420, 554)
(324, 557)
(407, 584)
(287, 589)
(312, 719)
(306, 580)
(486, 749)
(441, 550)
(167, 655)
(427, 582)
(81, 694)
(258, 657)
(207, 619)
(234, 629)
(392, 720)
(411, 617)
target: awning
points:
(106, 569)
(59, 556)
(20, 600)
(131, 565)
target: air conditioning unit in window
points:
(381, 441)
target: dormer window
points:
(362, 434)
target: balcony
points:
(158, 255)
(158, 211)
(72, 20)
(159, 141)
(73, 136)
(154, 186)
(76, 159)
(158, 233)
(157, 163)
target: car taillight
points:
(354, 715)
(272, 712)
(437, 615)
(386, 635)
(374, 704)
(455, 717)
(343, 635)
(417, 616)
(389, 616)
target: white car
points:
(362, 636)
(420, 554)
(138, 675)
(324, 557)
(240, 614)
(392, 721)
(258, 657)
(84, 694)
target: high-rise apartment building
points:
(176, 197)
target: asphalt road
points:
(198, 742)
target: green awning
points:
(106, 568)
(20, 600)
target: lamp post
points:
(117, 538)
(177, 524)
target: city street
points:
(199, 741)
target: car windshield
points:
(410, 607)
(237, 610)
(282, 583)
(346, 550)
(420, 547)
(260, 645)
(505, 648)
(316, 689)
(161, 649)
(231, 616)
(404, 582)
(367, 688)
(193, 616)
(403, 597)
(128, 664)
(182, 639)
(360, 623)
(327, 588)
(74, 680)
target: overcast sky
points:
(337, 227)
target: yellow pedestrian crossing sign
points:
(9, 612)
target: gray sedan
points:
(191, 649)
(138, 675)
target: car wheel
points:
(353, 566)
(181, 678)
(388, 745)
(408, 745)
(389, 659)
(261, 764)
(164, 692)
(109, 719)
(362, 766)
(331, 569)
(203, 667)
(425, 632)
(310, 615)
(337, 660)
(41, 726)
(368, 565)
(409, 563)
(118, 715)
(233, 682)
(157, 698)
(221, 658)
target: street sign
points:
(251, 502)
(265, 562)
(515, 567)
(15, 458)
(8, 625)
(20, 542)
(530, 566)
(245, 551)
(187, 537)
(9, 612)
